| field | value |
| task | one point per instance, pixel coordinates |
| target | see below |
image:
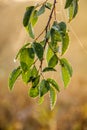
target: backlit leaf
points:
(48, 69)
(41, 10)
(34, 72)
(35, 81)
(24, 46)
(73, 9)
(26, 57)
(65, 76)
(26, 76)
(49, 54)
(13, 77)
(44, 87)
(62, 27)
(27, 15)
(75, 2)
(53, 61)
(38, 50)
(33, 92)
(68, 3)
(64, 62)
(41, 99)
(53, 83)
(55, 36)
(30, 30)
(34, 18)
(65, 43)
(53, 98)
(48, 5)
(66, 70)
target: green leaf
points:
(42, 43)
(66, 70)
(55, 36)
(65, 43)
(48, 5)
(41, 10)
(48, 34)
(34, 72)
(27, 15)
(24, 66)
(65, 76)
(53, 61)
(48, 69)
(75, 2)
(26, 57)
(13, 77)
(62, 27)
(35, 81)
(72, 10)
(41, 99)
(30, 75)
(24, 46)
(44, 87)
(68, 3)
(34, 18)
(33, 92)
(30, 30)
(38, 50)
(26, 76)
(54, 84)
(64, 62)
(53, 98)
(49, 54)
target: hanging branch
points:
(51, 48)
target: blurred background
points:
(17, 110)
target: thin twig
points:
(46, 29)
(39, 35)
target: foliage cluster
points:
(51, 49)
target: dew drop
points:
(14, 60)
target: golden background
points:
(17, 110)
